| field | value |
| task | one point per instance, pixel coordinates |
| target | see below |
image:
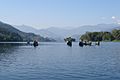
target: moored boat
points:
(35, 43)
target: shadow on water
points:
(5, 47)
(7, 53)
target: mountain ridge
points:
(10, 33)
(60, 33)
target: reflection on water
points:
(57, 61)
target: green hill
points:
(9, 33)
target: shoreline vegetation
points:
(113, 36)
(116, 41)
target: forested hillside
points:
(9, 33)
(102, 36)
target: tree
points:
(116, 34)
(101, 36)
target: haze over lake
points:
(57, 61)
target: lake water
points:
(57, 61)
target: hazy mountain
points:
(76, 32)
(25, 28)
(9, 33)
(60, 33)
(43, 32)
(92, 28)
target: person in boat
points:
(35, 43)
(90, 43)
(28, 42)
(98, 43)
(81, 43)
(69, 43)
(85, 43)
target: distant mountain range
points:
(25, 33)
(60, 33)
(43, 32)
(9, 33)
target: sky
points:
(59, 13)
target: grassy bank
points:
(116, 41)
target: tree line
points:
(114, 35)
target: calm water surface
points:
(57, 61)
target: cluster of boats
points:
(69, 43)
(35, 43)
(83, 43)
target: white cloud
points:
(116, 19)
(113, 17)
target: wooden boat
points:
(35, 43)
(69, 43)
(81, 44)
